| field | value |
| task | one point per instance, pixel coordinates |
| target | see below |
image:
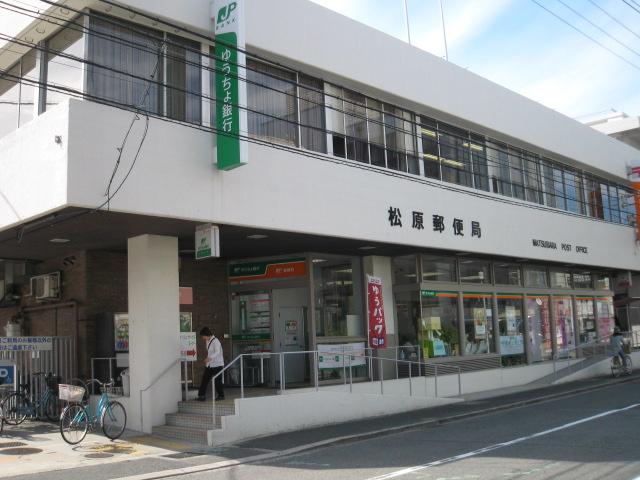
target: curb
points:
(375, 433)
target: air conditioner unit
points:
(46, 287)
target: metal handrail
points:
(601, 341)
(153, 382)
(423, 368)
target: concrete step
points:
(190, 420)
(225, 407)
(186, 434)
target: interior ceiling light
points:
(257, 236)
(367, 247)
(59, 240)
(318, 260)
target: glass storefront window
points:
(539, 320)
(436, 268)
(565, 330)
(478, 324)
(404, 270)
(338, 297)
(602, 281)
(560, 278)
(536, 277)
(251, 316)
(507, 274)
(582, 279)
(606, 319)
(475, 271)
(439, 326)
(408, 317)
(586, 319)
(511, 326)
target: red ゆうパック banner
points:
(377, 326)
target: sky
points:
(519, 45)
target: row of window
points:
(162, 73)
(411, 269)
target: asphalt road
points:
(594, 435)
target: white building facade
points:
(498, 227)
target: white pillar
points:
(154, 345)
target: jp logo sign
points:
(224, 14)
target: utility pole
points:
(444, 33)
(406, 17)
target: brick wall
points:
(96, 282)
(210, 308)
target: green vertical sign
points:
(231, 117)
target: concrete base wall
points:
(303, 408)
(267, 415)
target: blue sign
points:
(7, 374)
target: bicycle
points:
(617, 368)
(77, 418)
(17, 406)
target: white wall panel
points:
(175, 177)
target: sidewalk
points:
(42, 454)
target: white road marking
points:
(417, 468)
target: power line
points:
(599, 28)
(351, 114)
(495, 148)
(613, 18)
(535, 173)
(319, 156)
(636, 9)
(538, 175)
(126, 137)
(587, 35)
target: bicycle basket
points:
(70, 393)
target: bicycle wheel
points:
(52, 408)
(113, 420)
(629, 365)
(74, 423)
(15, 408)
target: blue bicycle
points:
(17, 406)
(77, 418)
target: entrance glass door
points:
(586, 319)
(565, 330)
(290, 335)
(539, 319)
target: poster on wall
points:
(188, 347)
(121, 331)
(377, 324)
(479, 323)
(511, 344)
(186, 322)
(331, 356)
